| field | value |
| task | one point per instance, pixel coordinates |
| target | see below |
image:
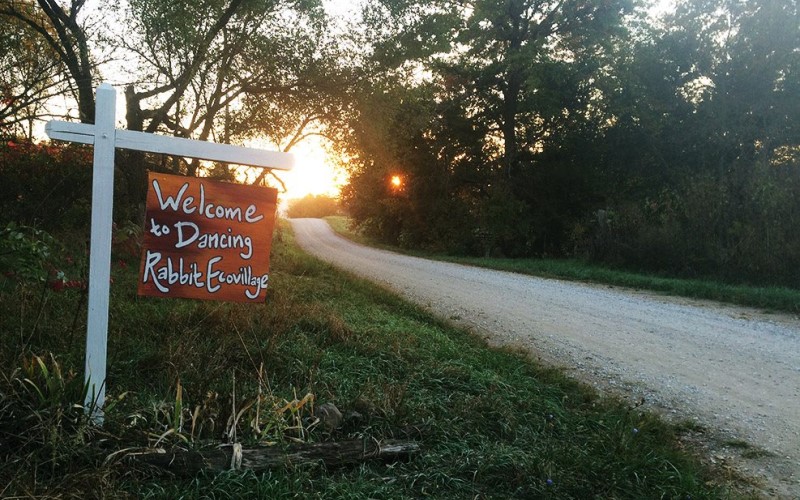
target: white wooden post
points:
(104, 136)
(100, 249)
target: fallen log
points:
(227, 457)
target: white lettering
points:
(260, 283)
(211, 274)
(170, 201)
(187, 205)
(248, 215)
(188, 241)
(151, 260)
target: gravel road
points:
(732, 370)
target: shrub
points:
(45, 185)
(26, 253)
(313, 206)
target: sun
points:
(314, 172)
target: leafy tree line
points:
(517, 127)
(590, 129)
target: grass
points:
(768, 298)
(491, 423)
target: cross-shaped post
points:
(106, 138)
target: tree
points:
(61, 29)
(30, 75)
(179, 45)
(519, 77)
(512, 47)
(250, 70)
(200, 64)
(313, 206)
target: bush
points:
(26, 253)
(740, 229)
(45, 185)
(313, 206)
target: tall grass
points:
(193, 374)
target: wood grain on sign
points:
(206, 239)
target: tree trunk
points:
(509, 126)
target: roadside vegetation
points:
(583, 130)
(313, 206)
(768, 298)
(490, 422)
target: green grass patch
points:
(768, 298)
(491, 423)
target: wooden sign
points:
(206, 239)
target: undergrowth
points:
(194, 374)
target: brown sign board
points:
(206, 239)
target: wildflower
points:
(549, 482)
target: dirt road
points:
(733, 370)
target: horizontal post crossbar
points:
(140, 141)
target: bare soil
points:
(732, 373)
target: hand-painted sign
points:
(106, 138)
(206, 239)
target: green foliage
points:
(26, 253)
(467, 140)
(43, 426)
(430, 208)
(668, 147)
(46, 390)
(194, 373)
(739, 229)
(45, 185)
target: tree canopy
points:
(592, 130)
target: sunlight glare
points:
(314, 172)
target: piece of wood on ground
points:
(226, 457)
